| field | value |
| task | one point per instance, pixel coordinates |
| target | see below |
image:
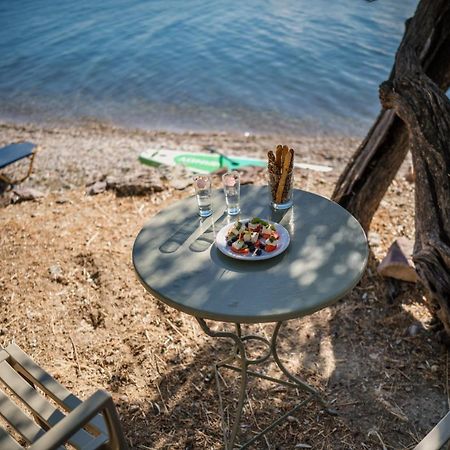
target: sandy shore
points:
(70, 298)
(72, 156)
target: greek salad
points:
(252, 237)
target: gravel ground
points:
(70, 298)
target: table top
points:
(175, 258)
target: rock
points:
(56, 274)
(24, 194)
(177, 176)
(180, 183)
(97, 188)
(398, 261)
(141, 184)
(250, 174)
(410, 175)
(415, 329)
(374, 239)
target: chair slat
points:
(22, 423)
(437, 437)
(40, 406)
(23, 363)
(7, 442)
(4, 355)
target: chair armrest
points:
(99, 402)
(437, 437)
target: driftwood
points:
(425, 110)
(369, 173)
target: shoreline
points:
(72, 155)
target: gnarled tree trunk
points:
(425, 110)
(366, 178)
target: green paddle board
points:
(210, 162)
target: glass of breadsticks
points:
(281, 176)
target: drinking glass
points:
(232, 189)
(202, 185)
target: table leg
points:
(239, 355)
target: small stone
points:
(180, 183)
(410, 176)
(415, 329)
(96, 188)
(398, 261)
(24, 194)
(56, 274)
(434, 368)
(374, 239)
(141, 184)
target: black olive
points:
(229, 243)
(234, 239)
(258, 252)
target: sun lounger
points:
(13, 153)
(91, 424)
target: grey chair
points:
(45, 424)
(437, 437)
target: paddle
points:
(222, 156)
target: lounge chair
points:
(13, 153)
(91, 424)
(437, 437)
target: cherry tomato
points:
(242, 251)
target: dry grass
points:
(69, 297)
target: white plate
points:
(283, 243)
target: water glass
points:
(232, 189)
(202, 185)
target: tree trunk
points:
(425, 110)
(369, 173)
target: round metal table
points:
(175, 259)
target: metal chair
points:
(92, 424)
(13, 153)
(437, 437)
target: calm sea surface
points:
(301, 66)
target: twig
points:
(378, 436)
(175, 328)
(75, 354)
(88, 243)
(162, 398)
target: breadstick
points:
(287, 185)
(274, 173)
(279, 153)
(284, 174)
(284, 153)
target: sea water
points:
(255, 66)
